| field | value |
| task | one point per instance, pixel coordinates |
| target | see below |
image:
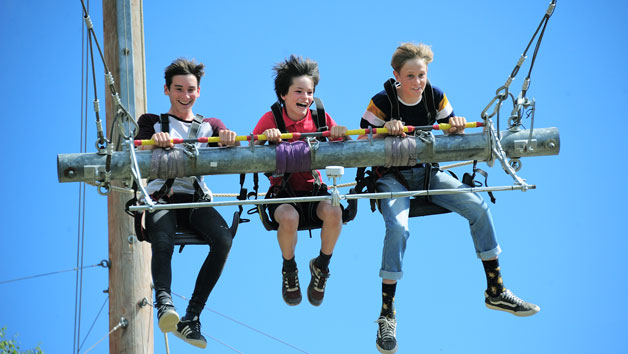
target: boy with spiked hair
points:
(295, 81)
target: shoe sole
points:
(312, 301)
(197, 343)
(516, 313)
(384, 351)
(294, 303)
(168, 322)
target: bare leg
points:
(288, 219)
(332, 224)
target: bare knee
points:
(328, 213)
(287, 217)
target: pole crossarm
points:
(90, 167)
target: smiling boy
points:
(295, 81)
(413, 93)
(183, 78)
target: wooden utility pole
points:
(129, 274)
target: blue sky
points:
(564, 243)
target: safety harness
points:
(184, 237)
(190, 149)
(419, 206)
(320, 121)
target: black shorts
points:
(306, 210)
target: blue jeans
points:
(395, 212)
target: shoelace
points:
(320, 280)
(387, 327)
(163, 308)
(291, 281)
(508, 295)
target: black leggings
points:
(208, 224)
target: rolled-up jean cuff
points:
(490, 254)
(390, 275)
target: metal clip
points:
(252, 142)
(191, 150)
(312, 143)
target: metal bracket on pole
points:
(335, 172)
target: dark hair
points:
(290, 68)
(184, 66)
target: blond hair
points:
(407, 51)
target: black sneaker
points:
(316, 289)
(509, 302)
(167, 317)
(386, 335)
(190, 332)
(290, 289)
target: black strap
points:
(164, 190)
(319, 116)
(469, 179)
(391, 92)
(427, 179)
(165, 123)
(278, 115)
(243, 196)
(430, 104)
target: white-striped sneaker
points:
(386, 341)
(509, 302)
(190, 332)
(167, 317)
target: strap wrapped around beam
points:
(168, 163)
(400, 151)
(293, 157)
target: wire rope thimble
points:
(104, 188)
(515, 164)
